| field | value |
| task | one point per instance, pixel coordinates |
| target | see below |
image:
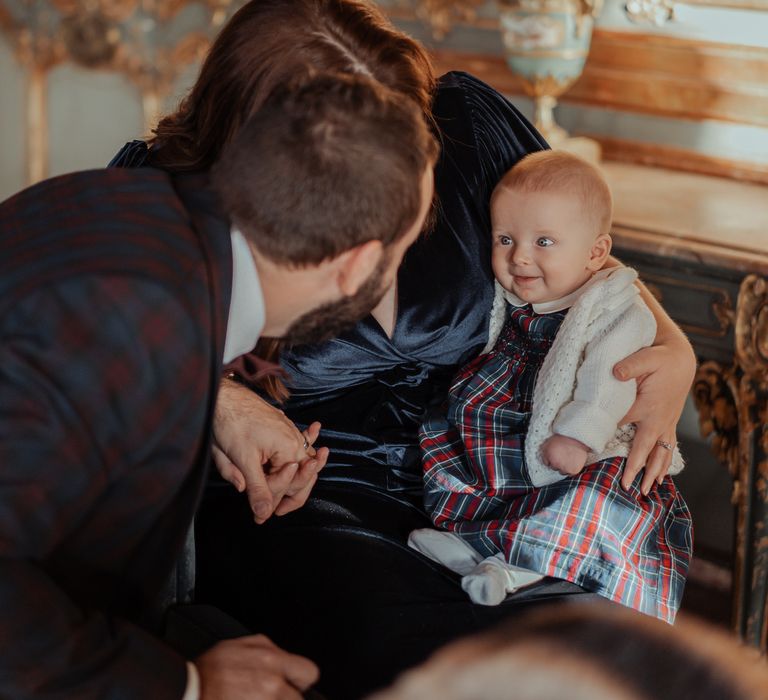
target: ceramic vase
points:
(546, 44)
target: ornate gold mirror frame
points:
(115, 35)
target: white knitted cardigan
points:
(576, 394)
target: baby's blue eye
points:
(544, 242)
(505, 240)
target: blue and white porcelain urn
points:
(546, 44)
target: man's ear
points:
(599, 252)
(356, 265)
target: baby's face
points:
(542, 243)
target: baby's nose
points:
(519, 256)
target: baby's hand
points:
(564, 454)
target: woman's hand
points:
(249, 434)
(664, 375)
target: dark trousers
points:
(336, 582)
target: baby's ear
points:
(599, 252)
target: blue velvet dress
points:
(372, 392)
(335, 580)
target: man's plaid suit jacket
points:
(114, 291)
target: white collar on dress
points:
(566, 302)
(246, 308)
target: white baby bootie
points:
(493, 579)
(445, 548)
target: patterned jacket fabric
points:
(114, 287)
(585, 529)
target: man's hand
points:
(564, 454)
(249, 434)
(664, 374)
(253, 668)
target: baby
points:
(523, 473)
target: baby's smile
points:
(524, 279)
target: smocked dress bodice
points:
(506, 376)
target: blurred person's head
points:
(595, 652)
(330, 182)
(269, 43)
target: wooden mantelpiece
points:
(701, 245)
(700, 214)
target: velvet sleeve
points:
(502, 134)
(135, 154)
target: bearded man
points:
(123, 293)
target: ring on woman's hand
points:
(306, 443)
(666, 445)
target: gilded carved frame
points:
(733, 411)
(105, 35)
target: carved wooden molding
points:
(733, 410)
(715, 389)
(442, 15)
(493, 70)
(721, 303)
(651, 73)
(752, 328)
(675, 77)
(655, 154)
(113, 35)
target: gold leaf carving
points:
(752, 328)
(714, 392)
(91, 39)
(723, 310)
(115, 10)
(127, 36)
(441, 15)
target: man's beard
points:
(329, 320)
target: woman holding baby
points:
(334, 579)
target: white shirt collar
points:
(246, 308)
(566, 302)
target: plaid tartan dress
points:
(586, 529)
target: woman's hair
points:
(589, 652)
(559, 171)
(269, 43)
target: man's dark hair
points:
(324, 167)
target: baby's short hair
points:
(560, 171)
